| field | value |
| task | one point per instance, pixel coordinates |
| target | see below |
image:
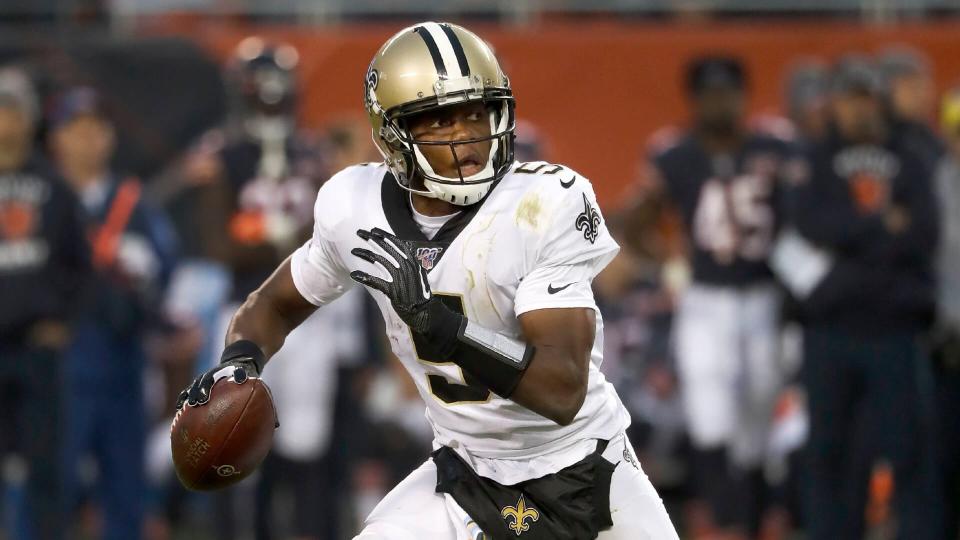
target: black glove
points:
(240, 360)
(408, 290)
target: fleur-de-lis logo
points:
(520, 515)
(588, 221)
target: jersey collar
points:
(396, 207)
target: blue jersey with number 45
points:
(727, 202)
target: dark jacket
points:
(881, 281)
(119, 302)
(133, 254)
(44, 257)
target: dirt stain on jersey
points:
(471, 281)
(493, 305)
(529, 210)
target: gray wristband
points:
(497, 361)
(511, 351)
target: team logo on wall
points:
(428, 256)
(588, 221)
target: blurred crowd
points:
(783, 315)
(783, 322)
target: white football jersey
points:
(536, 241)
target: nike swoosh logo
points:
(566, 185)
(423, 288)
(554, 290)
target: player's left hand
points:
(408, 288)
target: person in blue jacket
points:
(132, 248)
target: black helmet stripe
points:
(457, 49)
(434, 51)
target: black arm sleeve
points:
(495, 360)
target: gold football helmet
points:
(431, 65)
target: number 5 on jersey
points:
(451, 393)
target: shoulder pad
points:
(336, 197)
(547, 175)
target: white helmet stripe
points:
(446, 50)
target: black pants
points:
(308, 484)
(31, 426)
(869, 401)
(948, 407)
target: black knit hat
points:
(715, 72)
(857, 74)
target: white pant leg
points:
(761, 376)
(707, 346)
(636, 508)
(414, 511)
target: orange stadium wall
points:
(598, 90)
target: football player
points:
(720, 179)
(481, 267)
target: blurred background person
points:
(244, 191)
(638, 310)
(722, 180)
(133, 250)
(271, 169)
(266, 171)
(946, 342)
(530, 144)
(388, 436)
(347, 142)
(912, 100)
(806, 99)
(43, 266)
(301, 467)
(909, 82)
(866, 202)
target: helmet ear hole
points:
(409, 167)
(390, 135)
(496, 112)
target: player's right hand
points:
(198, 393)
(238, 362)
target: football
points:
(221, 442)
